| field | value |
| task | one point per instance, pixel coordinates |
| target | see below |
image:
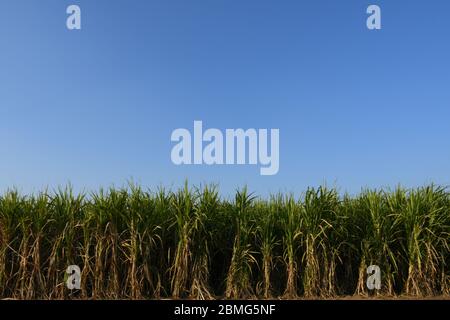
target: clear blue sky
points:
(96, 107)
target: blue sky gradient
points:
(96, 107)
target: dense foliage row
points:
(131, 243)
